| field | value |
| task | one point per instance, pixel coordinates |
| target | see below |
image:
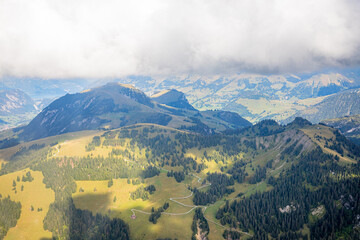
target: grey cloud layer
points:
(94, 38)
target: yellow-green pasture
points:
(30, 223)
(101, 201)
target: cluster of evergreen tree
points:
(155, 214)
(113, 142)
(151, 189)
(124, 153)
(150, 172)
(98, 168)
(238, 171)
(228, 234)
(109, 135)
(9, 214)
(218, 188)
(27, 150)
(259, 175)
(179, 176)
(27, 177)
(96, 142)
(139, 193)
(199, 221)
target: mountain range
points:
(254, 97)
(338, 105)
(116, 105)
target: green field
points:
(30, 224)
(101, 201)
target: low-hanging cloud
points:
(106, 39)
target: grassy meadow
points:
(30, 224)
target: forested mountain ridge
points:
(115, 105)
(261, 182)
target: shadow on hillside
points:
(95, 224)
(96, 202)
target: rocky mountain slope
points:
(115, 105)
(335, 106)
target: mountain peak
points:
(173, 98)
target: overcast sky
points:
(105, 38)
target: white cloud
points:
(97, 38)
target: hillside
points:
(147, 181)
(335, 106)
(115, 105)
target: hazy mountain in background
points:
(16, 108)
(115, 105)
(254, 97)
(15, 101)
(335, 106)
(42, 89)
